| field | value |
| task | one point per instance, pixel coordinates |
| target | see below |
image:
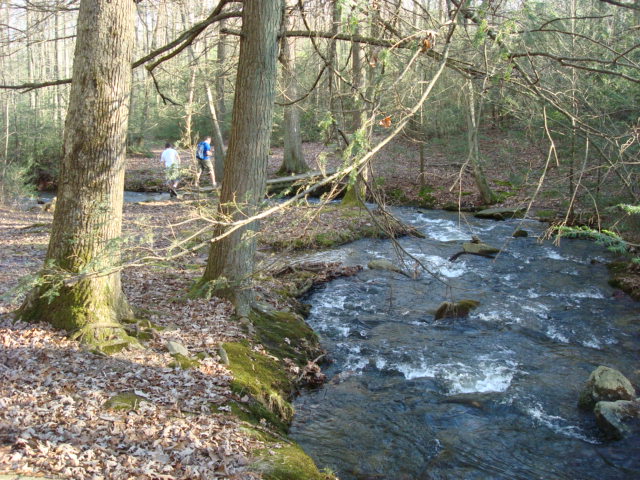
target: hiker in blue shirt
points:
(203, 154)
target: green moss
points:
(261, 377)
(289, 462)
(124, 401)
(272, 327)
(284, 460)
(254, 412)
(183, 362)
(546, 214)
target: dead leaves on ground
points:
(53, 418)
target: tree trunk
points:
(243, 185)
(218, 143)
(488, 197)
(356, 191)
(333, 88)
(222, 58)
(293, 161)
(88, 216)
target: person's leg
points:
(212, 172)
(198, 172)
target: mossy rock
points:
(289, 462)
(285, 460)
(116, 345)
(458, 309)
(500, 213)
(141, 329)
(127, 401)
(262, 377)
(605, 384)
(520, 234)
(479, 248)
(383, 264)
(183, 362)
(273, 326)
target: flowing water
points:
(490, 396)
(129, 196)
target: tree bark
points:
(222, 58)
(231, 259)
(87, 222)
(488, 197)
(293, 160)
(333, 85)
(218, 143)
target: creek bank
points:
(626, 277)
(278, 358)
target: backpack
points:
(200, 153)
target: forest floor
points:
(53, 393)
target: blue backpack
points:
(200, 152)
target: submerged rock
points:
(618, 419)
(457, 309)
(605, 384)
(479, 248)
(500, 213)
(382, 264)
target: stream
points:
(129, 196)
(490, 396)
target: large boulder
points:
(500, 213)
(605, 384)
(618, 419)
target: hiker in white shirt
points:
(171, 161)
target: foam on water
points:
(411, 372)
(539, 309)
(442, 266)
(486, 376)
(495, 316)
(592, 343)
(557, 424)
(554, 334)
(553, 254)
(441, 229)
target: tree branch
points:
(621, 4)
(408, 43)
(185, 39)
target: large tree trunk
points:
(293, 159)
(243, 185)
(88, 216)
